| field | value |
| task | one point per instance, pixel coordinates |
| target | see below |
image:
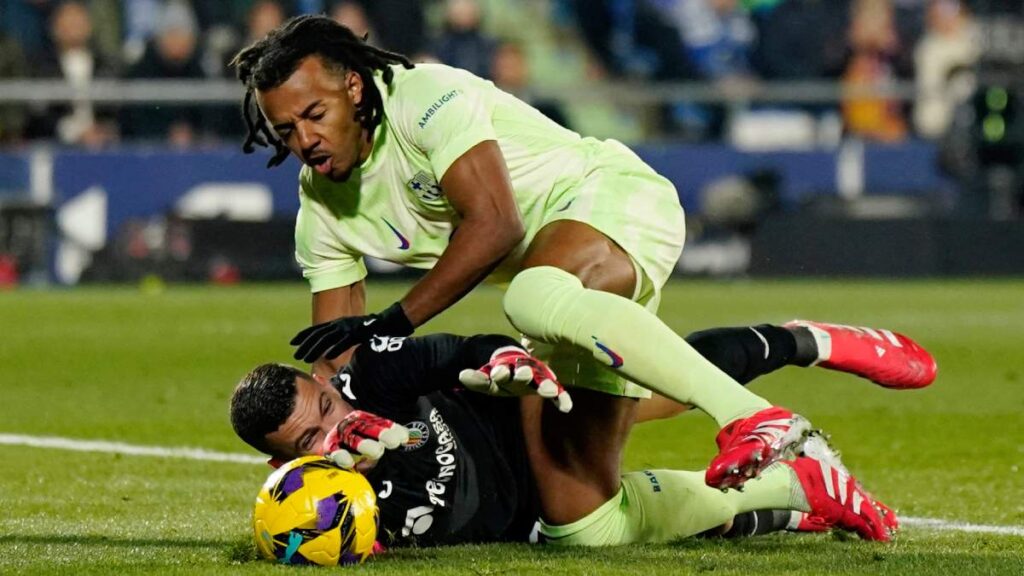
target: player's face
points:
(314, 114)
(318, 409)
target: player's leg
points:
(575, 288)
(887, 358)
(614, 237)
(665, 505)
(745, 353)
(654, 506)
(575, 457)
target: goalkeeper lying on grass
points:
(467, 467)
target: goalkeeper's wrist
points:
(499, 352)
(393, 321)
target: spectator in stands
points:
(717, 36)
(398, 25)
(634, 38)
(141, 18)
(75, 59)
(263, 16)
(951, 45)
(874, 45)
(462, 42)
(511, 73)
(12, 65)
(24, 21)
(171, 54)
(352, 14)
(802, 39)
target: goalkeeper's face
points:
(319, 408)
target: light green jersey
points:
(392, 206)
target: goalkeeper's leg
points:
(744, 353)
(586, 500)
(655, 506)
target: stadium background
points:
(808, 139)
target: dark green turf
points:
(119, 364)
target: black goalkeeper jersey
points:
(463, 476)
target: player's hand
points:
(332, 338)
(362, 436)
(513, 372)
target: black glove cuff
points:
(393, 321)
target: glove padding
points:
(513, 372)
(330, 339)
(362, 436)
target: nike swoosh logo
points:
(566, 207)
(615, 358)
(404, 241)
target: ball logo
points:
(419, 433)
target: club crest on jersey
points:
(419, 433)
(424, 186)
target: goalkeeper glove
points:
(513, 372)
(362, 436)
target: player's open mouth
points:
(321, 164)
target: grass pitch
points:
(157, 369)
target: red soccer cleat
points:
(838, 500)
(804, 522)
(817, 447)
(749, 445)
(886, 358)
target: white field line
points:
(127, 449)
(951, 525)
(187, 453)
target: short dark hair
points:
(262, 401)
(270, 61)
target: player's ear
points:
(354, 87)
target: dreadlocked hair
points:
(269, 62)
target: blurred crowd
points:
(520, 45)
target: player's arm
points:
(478, 187)
(460, 143)
(333, 304)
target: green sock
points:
(552, 305)
(665, 505)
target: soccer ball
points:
(310, 511)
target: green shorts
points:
(627, 201)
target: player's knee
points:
(535, 295)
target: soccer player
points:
(467, 469)
(432, 167)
